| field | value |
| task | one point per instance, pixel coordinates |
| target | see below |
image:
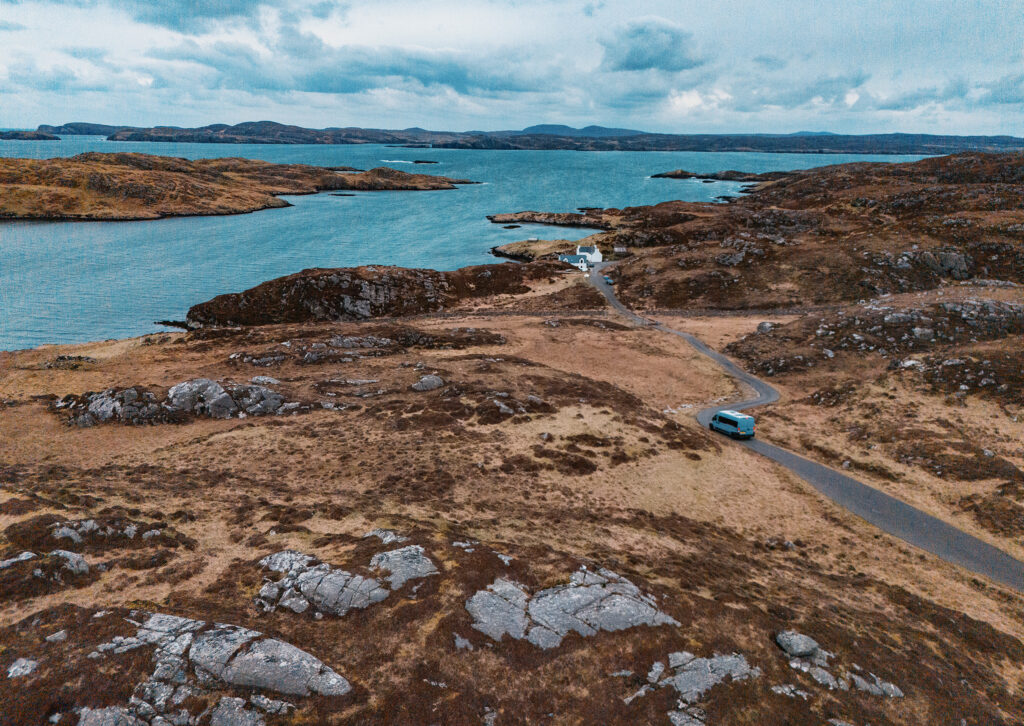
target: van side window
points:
(729, 421)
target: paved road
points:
(885, 512)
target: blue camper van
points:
(735, 424)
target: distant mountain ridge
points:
(555, 136)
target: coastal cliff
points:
(97, 186)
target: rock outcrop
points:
(361, 293)
(591, 601)
(196, 397)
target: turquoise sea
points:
(63, 282)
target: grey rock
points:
(111, 716)
(644, 690)
(588, 603)
(328, 590)
(862, 685)
(58, 637)
(462, 643)
(682, 718)
(257, 400)
(65, 532)
(823, 677)
(796, 645)
(271, 705)
(264, 381)
(21, 667)
(277, 666)
(788, 689)
(213, 649)
(500, 610)
(286, 561)
(407, 563)
(889, 689)
(699, 675)
(386, 536)
(232, 712)
(654, 675)
(73, 562)
(203, 397)
(4, 564)
(765, 327)
(428, 383)
(679, 659)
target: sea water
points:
(63, 282)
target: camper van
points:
(735, 424)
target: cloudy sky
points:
(935, 66)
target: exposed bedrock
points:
(360, 293)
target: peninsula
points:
(97, 186)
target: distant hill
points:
(595, 132)
(556, 136)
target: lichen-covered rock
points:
(325, 589)
(428, 383)
(796, 645)
(21, 667)
(202, 396)
(590, 602)
(73, 562)
(407, 563)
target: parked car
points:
(733, 423)
(609, 280)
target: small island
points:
(27, 136)
(97, 186)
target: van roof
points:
(737, 414)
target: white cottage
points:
(590, 252)
(579, 261)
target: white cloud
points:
(664, 65)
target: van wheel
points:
(711, 427)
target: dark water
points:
(66, 282)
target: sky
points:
(678, 66)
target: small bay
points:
(64, 282)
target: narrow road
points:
(875, 507)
